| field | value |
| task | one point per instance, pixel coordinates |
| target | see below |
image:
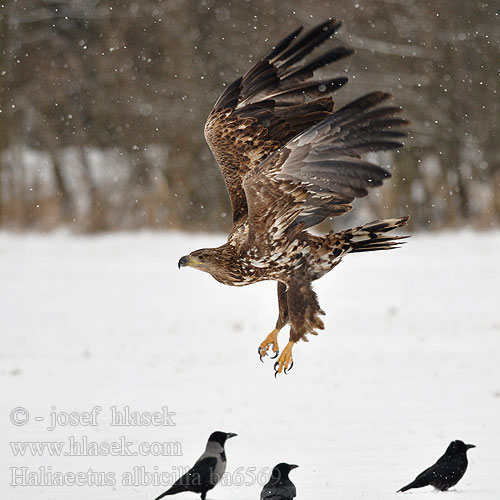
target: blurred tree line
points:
(103, 102)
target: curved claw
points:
(284, 370)
(260, 355)
(284, 360)
(271, 341)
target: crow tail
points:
(405, 488)
(172, 491)
(417, 483)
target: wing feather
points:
(319, 173)
(273, 102)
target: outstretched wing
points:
(269, 105)
(319, 173)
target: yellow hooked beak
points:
(188, 261)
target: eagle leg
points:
(285, 361)
(303, 315)
(304, 309)
(272, 338)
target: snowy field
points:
(409, 360)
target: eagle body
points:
(289, 161)
(313, 255)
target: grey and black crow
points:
(447, 471)
(208, 469)
(279, 486)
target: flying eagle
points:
(289, 161)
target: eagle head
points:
(203, 259)
(219, 262)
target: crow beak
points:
(230, 435)
(292, 466)
(469, 446)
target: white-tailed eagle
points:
(289, 161)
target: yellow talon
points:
(285, 361)
(270, 340)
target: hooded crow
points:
(279, 486)
(208, 469)
(447, 471)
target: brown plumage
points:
(290, 161)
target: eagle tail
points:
(372, 236)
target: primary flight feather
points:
(289, 161)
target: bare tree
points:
(113, 95)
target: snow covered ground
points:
(409, 360)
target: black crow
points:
(447, 471)
(279, 486)
(208, 469)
